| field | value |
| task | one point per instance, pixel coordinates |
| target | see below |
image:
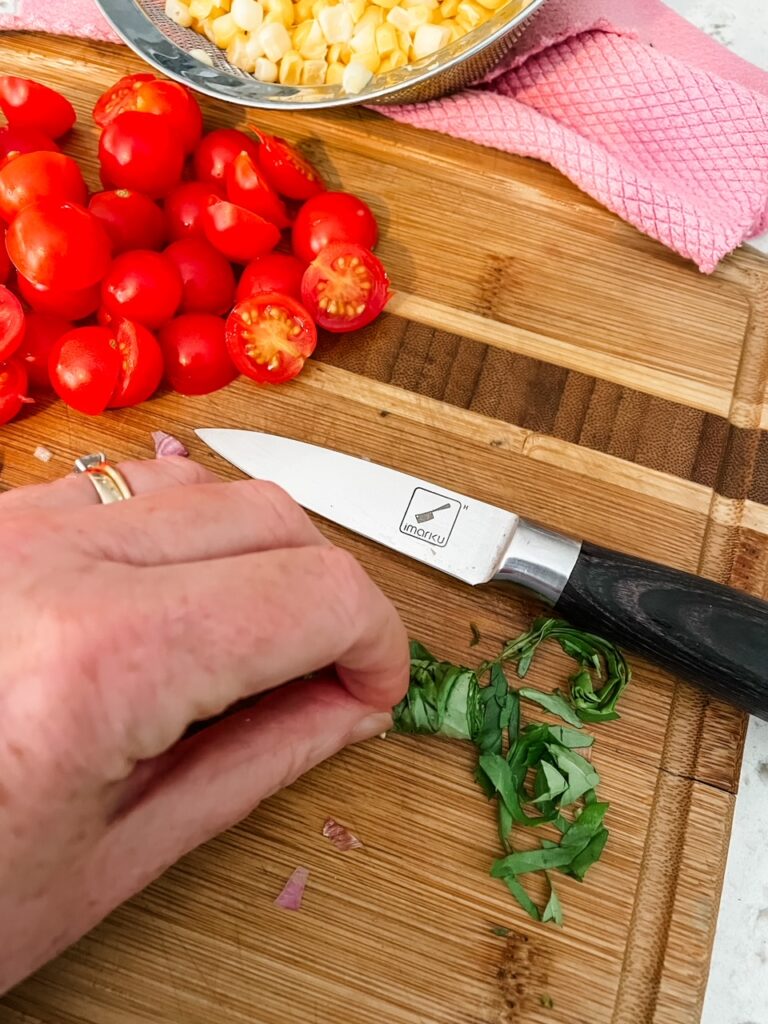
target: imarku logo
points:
(430, 517)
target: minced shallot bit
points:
(293, 890)
(167, 444)
(340, 836)
(42, 454)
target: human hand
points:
(124, 624)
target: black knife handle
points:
(709, 634)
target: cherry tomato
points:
(58, 245)
(139, 152)
(149, 95)
(72, 305)
(275, 272)
(206, 276)
(42, 331)
(269, 337)
(195, 352)
(238, 233)
(286, 170)
(28, 104)
(184, 208)
(118, 98)
(332, 217)
(218, 149)
(5, 262)
(24, 140)
(84, 366)
(11, 323)
(13, 389)
(345, 287)
(247, 187)
(141, 364)
(143, 286)
(131, 219)
(31, 176)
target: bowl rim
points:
(136, 29)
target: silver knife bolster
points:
(539, 560)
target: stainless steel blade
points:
(460, 536)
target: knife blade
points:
(703, 631)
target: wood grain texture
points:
(541, 355)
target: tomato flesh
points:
(42, 332)
(275, 272)
(345, 287)
(13, 389)
(31, 176)
(58, 245)
(149, 95)
(248, 187)
(131, 219)
(286, 170)
(270, 337)
(138, 151)
(333, 217)
(118, 98)
(142, 285)
(196, 358)
(141, 364)
(11, 323)
(218, 149)
(237, 233)
(28, 104)
(207, 279)
(84, 366)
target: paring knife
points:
(710, 634)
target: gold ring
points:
(110, 484)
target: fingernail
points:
(371, 726)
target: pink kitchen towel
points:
(645, 113)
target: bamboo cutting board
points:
(539, 354)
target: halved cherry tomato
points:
(196, 357)
(149, 95)
(58, 245)
(184, 208)
(42, 332)
(5, 262)
(270, 337)
(31, 176)
(131, 219)
(286, 170)
(238, 233)
(141, 285)
(275, 272)
(72, 305)
(24, 140)
(218, 149)
(247, 187)
(141, 364)
(11, 323)
(206, 276)
(137, 151)
(333, 217)
(84, 366)
(13, 389)
(118, 98)
(28, 104)
(345, 287)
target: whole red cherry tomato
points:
(332, 217)
(11, 323)
(275, 272)
(28, 104)
(137, 151)
(24, 140)
(31, 176)
(247, 187)
(143, 286)
(184, 208)
(149, 95)
(131, 219)
(269, 338)
(195, 353)
(40, 335)
(286, 170)
(207, 278)
(118, 98)
(5, 261)
(66, 303)
(218, 149)
(345, 287)
(13, 389)
(239, 234)
(58, 245)
(84, 366)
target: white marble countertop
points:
(737, 992)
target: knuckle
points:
(175, 468)
(349, 586)
(286, 511)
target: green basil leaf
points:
(591, 853)
(553, 910)
(570, 737)
(525, 861)
(552, 785)
(555, 703)
(522, 897)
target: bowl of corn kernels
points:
(288, 54)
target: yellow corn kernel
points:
(428, 39)
(207, 28)
(202, 55)
(179, 12)
(265, 70)
(224, 31)
(404, 41)
(339, 53)
(337, 24)
(418, 15)
(356, 8)
(302, 11)
(386, 39)
(248, 14)
(491, 5)
(201, 8)
(319, 5)
(290, 69)
(431, 4)
(279, 11)
(399, 18)
(313, 72)
(455, 29)
(385, 3)
(469, 15)
(364, 39)
(392, 61)
(373, 16)
(356, 77)
(335, 74)
(448, 8)
(309, 40)
(370, 60)
(274, 40)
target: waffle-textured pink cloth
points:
(648, 115)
